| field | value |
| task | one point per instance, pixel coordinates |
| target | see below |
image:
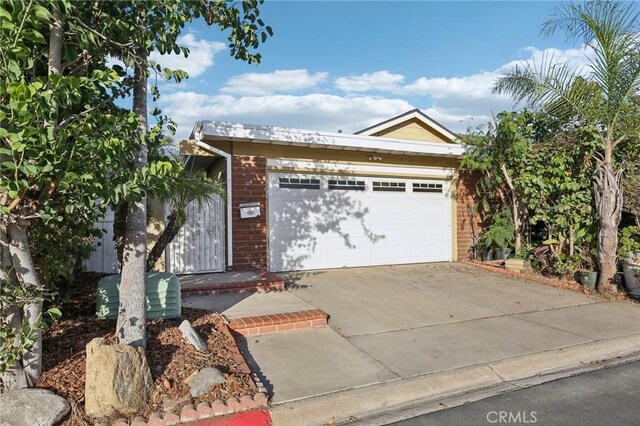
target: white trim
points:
(404, 117)
(224, 131)
(278, 164)
(227, 157)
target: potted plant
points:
(519, 262)
(629, 250)
(631, 270)
(499, 236)
(587, 274)
(486, 249)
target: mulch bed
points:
(172, 360)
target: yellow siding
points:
(320, 154)
(189, 147)
(155, 226)
(413, 130)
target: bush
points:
(629, 241)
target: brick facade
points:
(466, 198)
(249, 174)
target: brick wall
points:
(466, 198)
(249, 175)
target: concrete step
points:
(273, 323)
(207, 284)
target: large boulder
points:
(32, 407)
(118, 379)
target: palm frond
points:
(549, 84)
(193, 186)
(612, 30)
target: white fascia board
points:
(417, 115)
(276, 164)
(218, 130)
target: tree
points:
(60, 134)
(545, 166)
(190, 187)
(600, 98)
(133, 30)
(66, 148)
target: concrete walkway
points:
(391, 324)
(237, 305)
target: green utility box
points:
(163, 296)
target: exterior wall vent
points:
(163, 296)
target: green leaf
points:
(55, 313)
(42, 13)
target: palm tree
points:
(599, 94)
(190, 187)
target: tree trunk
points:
(131, 327)
(32, 313)
(571, 241)
(11, 315)
(119, 230)
(516, 211)
(608, 197)
(171, 229)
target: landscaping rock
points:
(202, 381)
(192, 336)
(32, 407)
(118, 379)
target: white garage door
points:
(319, 221)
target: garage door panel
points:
(317, 229)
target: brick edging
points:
(272, 323)
(204, 410)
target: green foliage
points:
(629, 241)
(499, 234)
(15, 341)
(66, 147)
(551, 169)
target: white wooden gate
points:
(200, 244)
(104, 258)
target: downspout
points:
(227, 157)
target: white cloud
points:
(456, 102)
(313, 111)
(377, 81)
(256, 84)
(200, 56)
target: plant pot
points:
(632, 277)
(588, 278)
(487, 255)
(517, 265)
(501, 253)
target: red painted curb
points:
(246, 418)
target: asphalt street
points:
(606, 397)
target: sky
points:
(346, 65)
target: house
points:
(304, 200)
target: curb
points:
(372, 401)
(249, 418)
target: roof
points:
(413, 114)
(225, 131)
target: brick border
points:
(273, 323)
(204, 410)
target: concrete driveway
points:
(396, 322)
